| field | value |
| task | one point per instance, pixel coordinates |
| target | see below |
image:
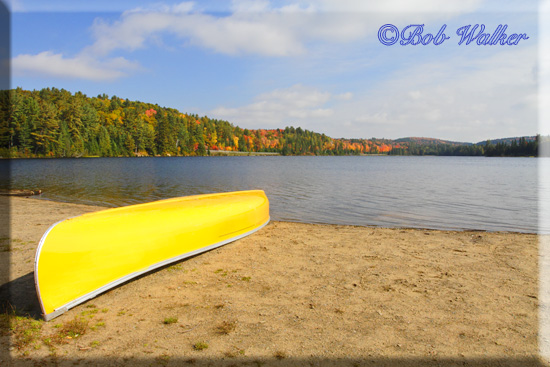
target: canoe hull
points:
(81, 257)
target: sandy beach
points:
(290, 294)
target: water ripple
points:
(427, 192)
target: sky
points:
(319, 64)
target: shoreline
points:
(295, 292)
(274, 154)
(100, 207)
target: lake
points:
(495, 194)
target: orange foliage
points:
(150, 112)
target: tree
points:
(46, 131)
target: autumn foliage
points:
(56, 123)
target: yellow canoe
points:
(81, 257)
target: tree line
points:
(520, 147)
(54, 122)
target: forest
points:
(517, 147)
(54, 122)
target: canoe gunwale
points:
(60, 310)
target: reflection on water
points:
(428, 192)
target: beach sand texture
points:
(291, 294)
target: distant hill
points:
(422, 141)
(508, 141)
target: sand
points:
(292, 294)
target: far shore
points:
(212, 153)
(290, 294)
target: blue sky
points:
(314, 64)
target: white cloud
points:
(444, 103)
(250, 6)
(258, 27)
(344, 96)
(297, 96)
(184, 7)
(415, 94)
(401, 6)
(236, 35)
(459, 99)
(456, 98)
(128, 34)
(49, 64)
(450, 7)
(240, 33)
(296, 105)
(375, 118)
(393, 6)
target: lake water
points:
(427, 192)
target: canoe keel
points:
(82, 257)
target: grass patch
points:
(170, 320)
(175, 267)
(98, 325)
(222, 272)
(25, 331)
(246, 279)
(200, 346)
(74, 328)
(89, 313)
(226, 327)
